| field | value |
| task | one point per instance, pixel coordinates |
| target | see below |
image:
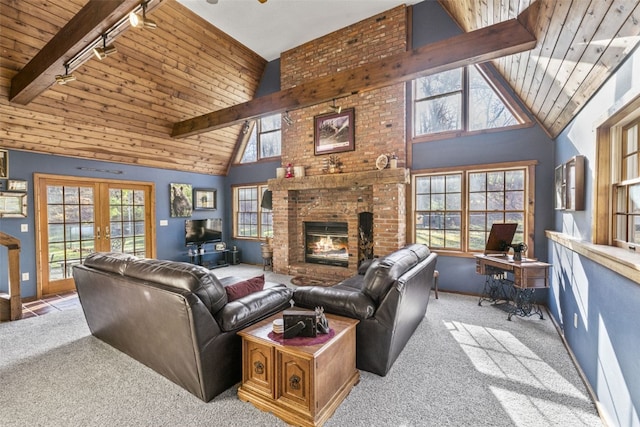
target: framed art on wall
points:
(13, 205)
(334, 132)
(180, 200)
(205, 199)
(17, 185)
(4, 164)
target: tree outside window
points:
(459, 101)
(264, 139)
(250, 219)
(454, 211)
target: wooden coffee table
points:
(301, 384)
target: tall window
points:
(627, 189)
(263, 139)
(454, 210)
(461, 100)
(251, 220)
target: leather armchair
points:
(389, 296)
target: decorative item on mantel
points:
(289, 171)
(332, 164)
(393, 161)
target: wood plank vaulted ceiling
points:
(123, 108)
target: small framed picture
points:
(180, 203)
(205, 199)
(221, 246)
(17, 185)
(4, 164)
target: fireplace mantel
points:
(342, 180)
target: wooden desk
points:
(513, 281)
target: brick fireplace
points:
(337, 198)
(380, 128)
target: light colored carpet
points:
(465, 366)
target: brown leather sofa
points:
(174, 317)
(389, 296)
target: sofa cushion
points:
(249, 309)
(377, 280)
(113, 262)
(343, 301)
(421, 251)
(181, 275)
(244, 287)
(364, 266)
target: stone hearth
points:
(337, 198)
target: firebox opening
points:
(327, 243)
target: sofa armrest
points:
(256, 306)
(344, 302)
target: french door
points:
(78, 216)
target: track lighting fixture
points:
(336, 108)
(141, 21)
(288, 120)
(63, 79)
(245, 127)
(104, 51)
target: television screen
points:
(198, 231)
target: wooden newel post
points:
(11, 304)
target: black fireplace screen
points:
(327, 243)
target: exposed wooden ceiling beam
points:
(505, 38)
(87, 25)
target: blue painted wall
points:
(431, 24)
(606, 341)
(169, 239)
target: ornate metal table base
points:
(520, 300)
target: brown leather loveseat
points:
(389, 296)
(174, 317)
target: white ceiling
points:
(279, 25)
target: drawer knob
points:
(258, 367)
(294, 382)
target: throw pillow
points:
(244, 288)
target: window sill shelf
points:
(621, 261)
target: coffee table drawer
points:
(258, 369)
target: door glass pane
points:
(127, 221)
(70, 228)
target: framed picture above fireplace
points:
(334, 132)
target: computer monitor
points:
(500, 238)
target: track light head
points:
(336, 108)
(245, 127)
(287, 119)
(63, 79)
(104, 51)
(141, 21)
